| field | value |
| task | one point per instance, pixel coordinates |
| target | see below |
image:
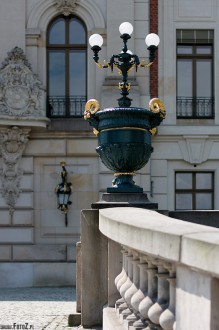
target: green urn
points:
(124, 139)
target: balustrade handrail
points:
(195, 107)
(65, 106)
(156, 234)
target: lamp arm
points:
(142, 64)
(105, 65)
(96, 50)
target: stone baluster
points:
(118, 277)
(132, 290)
(127, 294)
(163, 294)
(140, 294)
(129, 279)
(122, 277)
(135, 285)
(126, 285)
(167, 318)
(143, 286)
(151, 297)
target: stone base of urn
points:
(124, 200)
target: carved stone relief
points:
(12, 143)
(21, 92)
(195, 150)
(66, 7)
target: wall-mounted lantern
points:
(63, 191)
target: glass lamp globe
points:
(126, 28)
(152, 39)
(96, 40)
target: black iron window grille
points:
(195, 107)
(59, 106)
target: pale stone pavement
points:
(37, 308)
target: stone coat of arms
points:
(21, 92)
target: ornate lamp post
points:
(124, 132)
(63, 191)
(126, 60)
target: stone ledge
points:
(149, 231)
(201, 250)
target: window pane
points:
(56, 73)
(188, 35)
(195, 36)
(203, 49)
(184, 49)
(184, 78)
(183, 201)
(204, 88)
(77, 33)
(204, 35)
(57, 32)
(203, 201)
(204, 181)
(77, 73)
(183, 180)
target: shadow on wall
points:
(207, 218)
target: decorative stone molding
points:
(32, 36)
(21, 93)
(12, 143)
(195, 149)
(45, 10)
(66, 7)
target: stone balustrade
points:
(147, 288)
(170, 272)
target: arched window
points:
(66, 67)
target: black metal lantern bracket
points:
(63, 191)
(126, 60)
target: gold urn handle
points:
(157, 106)
(91, 107)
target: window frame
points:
(66, 47)
(195, 190)
(195, 57)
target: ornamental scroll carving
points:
(66, 7)
(12, 143)
(21, 92)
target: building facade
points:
(46, 76)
